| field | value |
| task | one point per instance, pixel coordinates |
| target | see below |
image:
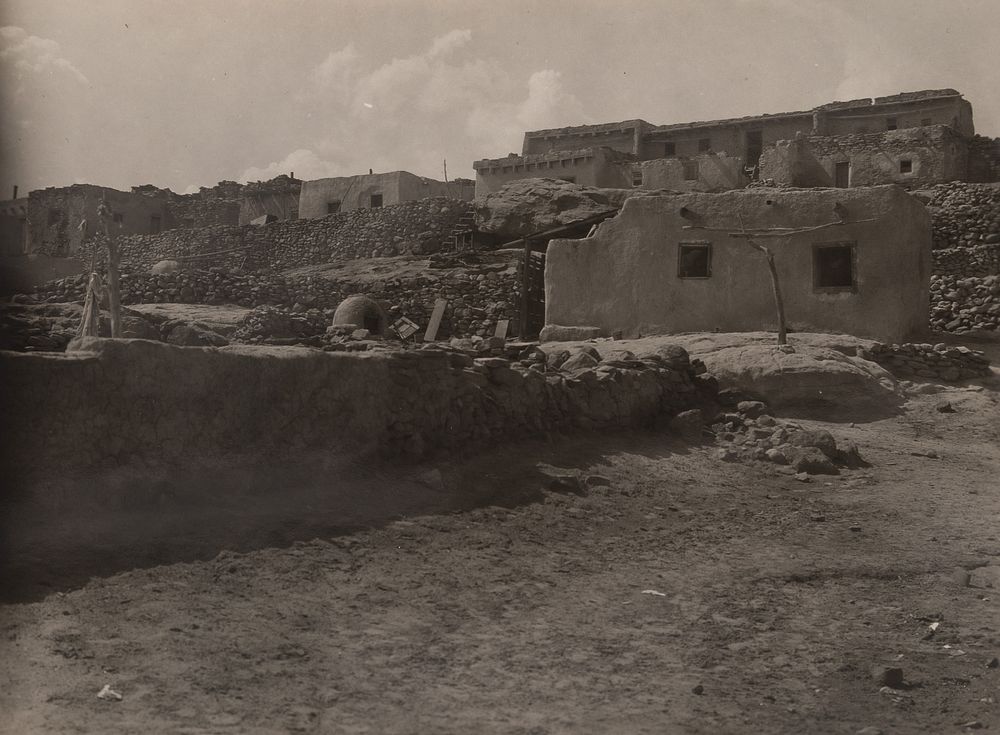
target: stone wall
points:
(960, 304)
(141, 403)
(931, 362)
(963, 214)
(983, 260)
(410, 228)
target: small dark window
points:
(926, 121)
(637, 178)
(694, 260)
(833, 266)
(118, 218)
(690, 170)
(332, 207)
(891, 123)
(375, 201)
(154, 224)
(55, 216)
(906, 166)
(705, 144)
(669, 149)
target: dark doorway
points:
(842, 175)
(376, 201)
(755, 146)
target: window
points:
(694, 259)
(154, 224)
(891, 123)
(637, 177)
(690, 170)
(333, 207)
(926, 121)
(705, 144)
(375, 201)
(833, 266)
(669, 149)
(118, 218)
(55, 216)
(906, 166)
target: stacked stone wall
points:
(960, 304)
(931, 362)
(964, 215)
(417, 227)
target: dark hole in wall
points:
(694, 261)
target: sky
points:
(185, 93)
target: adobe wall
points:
(729, 139)
(587, 167)
(935, 154)
(62, 235)
(355, 192)
(111, 403)
(625, 277)
(716, 172)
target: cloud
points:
(303, 162)
(411, 113)
(27, 54)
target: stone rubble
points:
(960, 304)
(931, 362)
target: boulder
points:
(579, 361)
(528, 206)
(809, 459)
(164, 267)
(820, 439)
(687, 424)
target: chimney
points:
(15, 192)
(292, 176)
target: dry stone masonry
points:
(931, 362)
(963, 214)
(961, 304)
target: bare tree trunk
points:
(114, 293)
(779, 304)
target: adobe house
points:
(855, 261)
(717, 155)
(321, 197)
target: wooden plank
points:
(502, 326)
(438, 314)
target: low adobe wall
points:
(108, 403)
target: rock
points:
(557, 333)
(193, 335)
(751, 409)
(598, 481)
(688, 424)
(672, 356)
(849, 455)
(890, 676)
(165, 266)
(556, 358)
(944, 407)
(526, 206)
(360, 334)
(579, 361)
(821, 439)
(870, 730)
(810, 460)
(776, 455)
(987, 577)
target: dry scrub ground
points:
(672, 593)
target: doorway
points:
(842, 174)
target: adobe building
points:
(932, 129)
(854, 261)
(14, 226)
(370, 191)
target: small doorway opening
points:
(375, 201)
(842, 174)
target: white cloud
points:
(304, 163)
(411, 113)
(27, 54)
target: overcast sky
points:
(184, 93)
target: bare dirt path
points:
(673, 593)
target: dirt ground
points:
(669, 593)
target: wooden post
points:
(779, 304)
(114, 293)
(436, 316)
(525, 282)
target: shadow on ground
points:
(58, 535)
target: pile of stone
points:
(930, 362)
(490, 397)
(963, 214)
(417, 227)
(749, 433)
(271, 325)
(961, 304)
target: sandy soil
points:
(670, 593)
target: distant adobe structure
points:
(912, 139)
(371, 191)
(48, 221)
